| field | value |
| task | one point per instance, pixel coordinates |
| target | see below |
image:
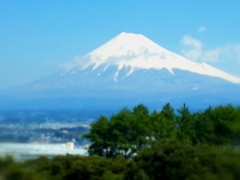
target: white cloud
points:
(190, 41)
(233, 51)
(193, 49)
(202, 29)
(211, 55)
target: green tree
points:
(204, 127)
(162, 127)
(124, 134)
(186, 125)
(168, 112)
(234, 126)
(101, 138)
(223, 119)
(130, 130)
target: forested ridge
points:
(138, 144)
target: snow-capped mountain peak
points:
(140, 69)
(135, 51)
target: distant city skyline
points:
(37, 37)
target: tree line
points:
(128, 131)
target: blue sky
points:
(36, 37)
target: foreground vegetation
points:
(166, 159)
(136, 144)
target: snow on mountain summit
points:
(135, 51)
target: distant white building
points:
(26, 151)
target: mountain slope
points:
(127, 70)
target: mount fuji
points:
(125, 71)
